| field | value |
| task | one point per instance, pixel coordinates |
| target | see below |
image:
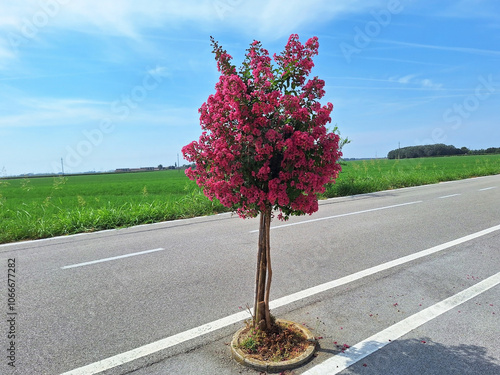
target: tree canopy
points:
(264, 140)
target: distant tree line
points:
(439, 149)
(489, 150)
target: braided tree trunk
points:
(262, 316)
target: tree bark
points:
(262, 315)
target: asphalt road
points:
(166, 298)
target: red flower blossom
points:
(264, 140)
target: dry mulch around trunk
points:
(283, 342)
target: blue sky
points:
(107, 84)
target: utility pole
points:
(178, 165)
(62, 166)
(399, 150)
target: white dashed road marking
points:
(112, 258)
(449, 196)
(341, 215)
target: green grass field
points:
(366, 176)
(51, 206)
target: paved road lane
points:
(83, 299)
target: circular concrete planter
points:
(247, 360)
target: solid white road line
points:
(120, 359)
(112, 258)
(131, 355)
(366, 347)
(449, 196)
(341, 215)
(373, 270)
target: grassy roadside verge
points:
(52, 206)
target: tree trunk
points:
(262, 316)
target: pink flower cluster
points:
(264, 141)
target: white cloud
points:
(114, 17)
(161, 71)
(412, 80)
(474, 51)
(26, 112)
(36, 112)
(28, 23)
(129, 18)
(428, 83)
(275, 19)
(406, 79)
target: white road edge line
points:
(488, 188)
(370, 345)
(341, 215)
(112, 258)
(131, 355)
(70, 236)
(449, 196)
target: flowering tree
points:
(265, 146)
